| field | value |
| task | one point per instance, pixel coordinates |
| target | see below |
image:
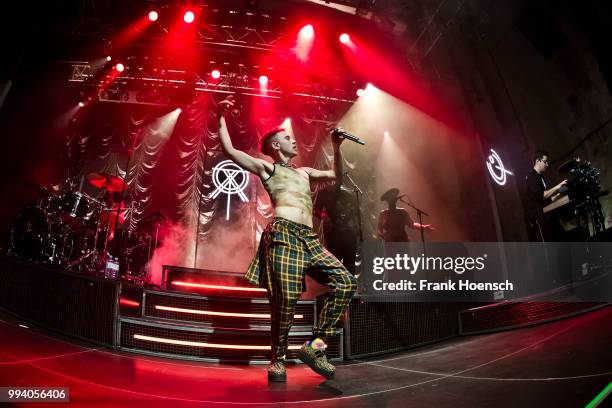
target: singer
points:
(289, 247)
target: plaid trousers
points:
(287, 252)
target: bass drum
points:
(38, 237)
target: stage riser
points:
(376, 328)
(211, 279)
(130, 329)
(111, 313)
(170, 326)
(305, 310)
(74, 305)
(506, 316)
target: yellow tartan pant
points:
(287, 252)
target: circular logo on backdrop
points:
(229, 178)
(496, 168)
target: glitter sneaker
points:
(277, 371)
(313, 355)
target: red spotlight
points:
(153, 16)
(360, 92)
(215, 74)
(263, 80)
(188, 17)
(306, 32)
(119, 67)
(344, 38)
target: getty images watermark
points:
(484, 272)
(406, 264)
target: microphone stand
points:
(420, 214)
(357, 193)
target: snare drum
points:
(76, 204)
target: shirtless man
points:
(289, 248)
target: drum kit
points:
(70, 229)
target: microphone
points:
(346, 135)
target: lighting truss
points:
(81, 71)
(228, 34)
(138, 84)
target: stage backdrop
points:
(171, 155)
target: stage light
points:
(153, 16)
(119, 67)
(128, 302)
(109, 58)
(222, 314)
(216, 287)
(304, 43)
(360, 92)
(216, 74)
(386, 134)
(188, 17)
(306, 32)
(208, 345)
(286, 124)
(344, 38)
(81, 104)
(263, 80)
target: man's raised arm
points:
(244, 160)
(337, 173)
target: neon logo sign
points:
(229, 178)
(496, 168)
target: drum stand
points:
(97, 259)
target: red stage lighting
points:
(188, 17)
(344, 38)
(128, 302)
(306, 32)
(223, 314)
(208, 345)
(360, 92)
(119, 67)
(153, 16)
(216, 287)
(215, 74)
(263, 80)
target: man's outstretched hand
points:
(337, 138)
(225, 105)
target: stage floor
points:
(560, 364)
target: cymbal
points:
(40, 189)
(105, 180)
(390, 195)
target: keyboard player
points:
(537, 195)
